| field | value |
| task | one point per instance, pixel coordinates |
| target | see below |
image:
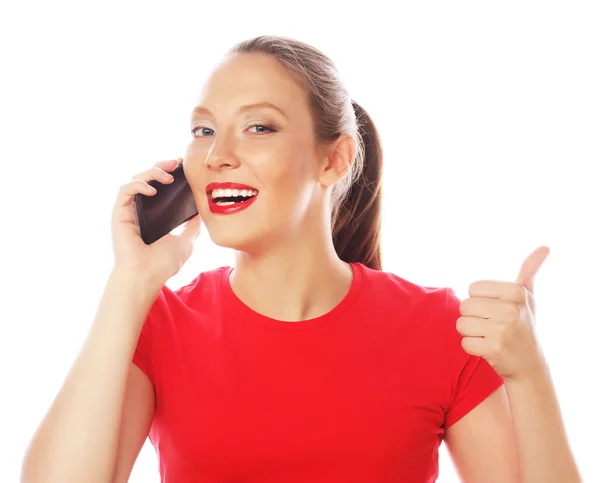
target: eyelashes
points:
(269, 128)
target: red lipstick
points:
(231, 186)
(239, 204)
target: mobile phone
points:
(172, 205)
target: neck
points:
(294, 281)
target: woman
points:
(304, 363)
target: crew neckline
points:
(243, 311)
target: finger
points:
(189, 234)
(169, 165)
(155, 172)
(191, 228)
(140, 185)
(476, 346)
(164, 166)
(129, 190)
(472, 327)
(140, 182)
(484, 308)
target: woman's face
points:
(237, 138)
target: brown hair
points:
(356, 199)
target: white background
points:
(489, 117)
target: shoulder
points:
(388, 286)
(422, 310)
(207, 282)
(205, 287)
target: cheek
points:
(288, 196)
(291, 180)
(287, 164)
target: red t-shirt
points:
(362, 394)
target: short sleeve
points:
(472, 379)
(143, 355)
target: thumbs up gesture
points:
(498, 322)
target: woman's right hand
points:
(162, 259)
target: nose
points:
(222, 155)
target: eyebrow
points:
(247, 107)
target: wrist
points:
(135, 279)
(540, 371)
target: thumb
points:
(531, 266)
(191, 229)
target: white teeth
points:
(228, 193)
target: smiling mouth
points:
(228, 197)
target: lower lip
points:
(229, 209)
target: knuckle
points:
(497, 351)
(135, 184)
(506, 311)
(513, 312)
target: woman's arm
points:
(78, 438)
(540, 437)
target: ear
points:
(337, 158)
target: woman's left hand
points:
(498, 322)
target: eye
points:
(262, 126)
(265, 126)
(197, 128)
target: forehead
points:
(242, 77)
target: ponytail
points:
(356, 223)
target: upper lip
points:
(228, 185)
